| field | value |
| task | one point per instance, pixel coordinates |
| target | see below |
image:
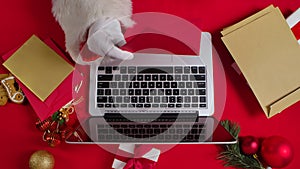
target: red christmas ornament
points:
(249, 145)
(276, 151)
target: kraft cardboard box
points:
(268, 55)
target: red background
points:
(19, 137)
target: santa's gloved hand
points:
(103, 37)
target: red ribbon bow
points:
(140, 163)
(137, 161)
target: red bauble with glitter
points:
(276, 151)
(249, 145)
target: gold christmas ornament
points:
(41, 159)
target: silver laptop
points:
(155, 98)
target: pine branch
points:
(232, 155)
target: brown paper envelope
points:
(247, 20)
(38, 67)
(268, 54)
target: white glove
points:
(103, 37)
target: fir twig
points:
(232, 155)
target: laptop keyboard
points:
(151, 87)
(151, 132)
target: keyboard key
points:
(123, 70)
(108, 70)
(181, 84)
(105, 77)
(194, 99)
(162, 77)
(138, 92)
(155, 105)
(183, 92)
(132, 78)
(201, 92)
(131, 92)
(147, 77)
(202, 99)
(197, 77)
(119, 100)
(151, 84)
(100, 92)
(201, 69)
(154, 77)
(126, 99)
(100, 105)
(153, 92)
(145, 92)
(128, 84)
(122, 92)
(194, 69)
(187, 105)
(117, 77)
(175, 92)
(115, 92)
(189, 85)
(111, 99)
(168, 92)
(113, 84)
(199, 85)
(125, 77)
(172, 99)
(161, 92)
(142, 99)
(157, 99)
(187, 99)
(124, 105)
(178, 105)
(191, 92)
(107, 91)
(164, 99)
(178, 77)
(136, 85)
(101, 99)
(169, 77)
(185, 77)
(144, 85)
(187, 69)
(166, 84)
(178, 70)
(202, 105)
(173, 84)
(134, 99)
(131, 69)
(140, 77)
(158, 84)
(103, 131)
(194, 105)
(139, 106)
(103, 85)
(163, 105)
(149, 99)
(108, 105)
(101, 68)
(121, 84)
(179, 99)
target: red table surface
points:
(19, 137)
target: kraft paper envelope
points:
(58, 98)
(268, 55)
(38, 67)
